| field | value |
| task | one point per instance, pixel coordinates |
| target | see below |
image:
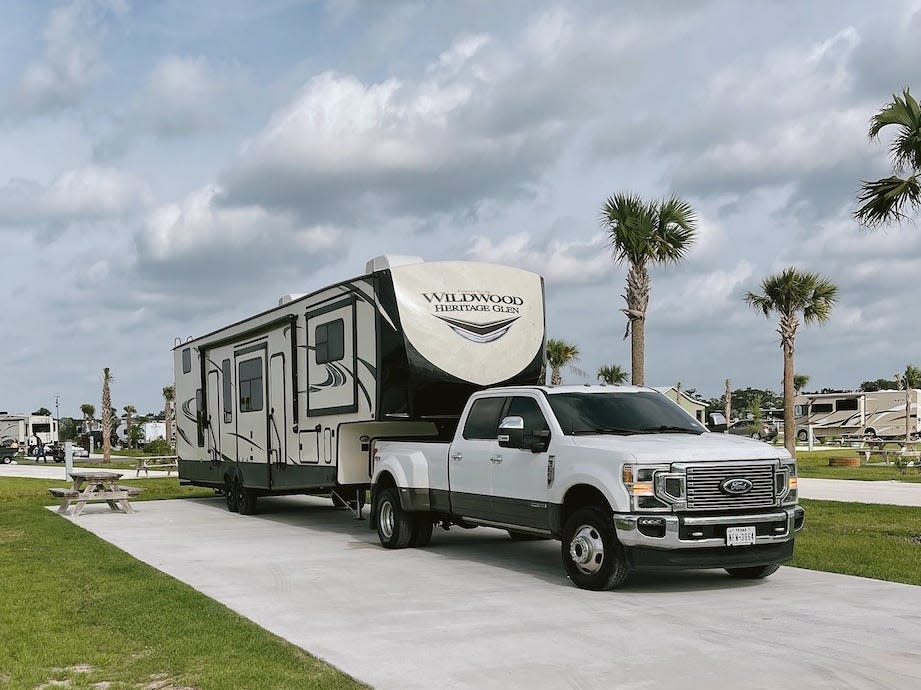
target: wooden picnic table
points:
(156, 462)
(94, 485)
(877, 447)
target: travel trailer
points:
(289, 400)
(20, 429)
(880, 414)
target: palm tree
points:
(884, 201)
(727, 403)
(792, 295)
(800, 381)
(644, 233)
(560, 354)
(129, 412)
(612, 374)
(106, 416)
(89, 411)
(169, 394)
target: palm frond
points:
(905, 113)
(884, 200)
(791, 292)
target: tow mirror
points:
(511, 433)
(540, 441)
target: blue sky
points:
(168, 167)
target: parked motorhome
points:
(878, 413)
(287, 401)
(21, 429)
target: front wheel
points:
(758, 572)
(802, 435)
(592, 556)
(395, 527)
(756, 436)
(6, 459)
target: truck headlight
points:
(787, 483)
(639, 480)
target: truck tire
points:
(758, 572)
(525, 536)
(230, 494)
(592, 556)
(395, 527)
(422, 530)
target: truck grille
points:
(703, 486)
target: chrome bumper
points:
(628, 532)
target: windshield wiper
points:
(605, 430)
(666, 429)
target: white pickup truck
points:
(621, 475)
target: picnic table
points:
(91, 486)
(877, 447)
(156, 462)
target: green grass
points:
(71, 603)
(877, 541)
(815, 464)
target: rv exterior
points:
(20, 430)
(290, 400)
(880, 414)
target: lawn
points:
(815, 464)
(61, 584)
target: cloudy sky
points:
(168, 167)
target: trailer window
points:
(821, 407)
(483, 420)
(187, 360)
(227, 372)
(849, 404)
(41, 428)
(330, 341)
(249, 381)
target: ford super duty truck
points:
(621, 475)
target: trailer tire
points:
(246, 499)
(802, 435)
(230, 494)
(758, 572)
(592, 556)
(395, 527)
(422, 530)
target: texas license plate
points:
(740, 536)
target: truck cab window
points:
(250, 384)
(483, 420)
(529, 411)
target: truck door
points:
(519, 478)
(472, 457)
(252, 420)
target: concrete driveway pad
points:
(476, 610)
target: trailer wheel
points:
(246, 499)
(592, 556)
(230, 494)
(802, 435)
(423, 527)
(395, 527)
(757, 572)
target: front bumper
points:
(708, 531)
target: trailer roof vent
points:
(290, 297)
(385, 261)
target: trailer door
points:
(252, 420)
(278, 416)
(332, 387)
(213, 416)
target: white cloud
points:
(72, 61)
(91, 192)
(562, 262)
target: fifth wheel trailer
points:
(290, 400)
(20, 429)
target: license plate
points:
(740, 536)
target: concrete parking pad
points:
(857, 491)
(57, 472)
(476, 610)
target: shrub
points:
(158, 446)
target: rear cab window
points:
(483, 419)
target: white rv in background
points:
(21, 429)
(290, 400)
(880, 414)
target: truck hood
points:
(667, 448)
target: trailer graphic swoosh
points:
(479, 332)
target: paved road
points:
(894, 493)
(475, 610)
(55, 471)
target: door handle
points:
(496, 459)
(457, 456)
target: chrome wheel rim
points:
(386, 519)
(587, 550)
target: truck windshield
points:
(621, 413)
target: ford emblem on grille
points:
(736, 486)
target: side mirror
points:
(540, 441)
(511, 433)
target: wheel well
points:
(384, 480)
(579, 496)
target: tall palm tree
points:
(612, 374)
(800, 381)
(727, 403)
(560, 354)
(169, 394)
(793, 294)
(129, 413)
(643, 233)
(884, 201)
(106, 416)
(89, 411)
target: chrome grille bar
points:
(703, 486)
